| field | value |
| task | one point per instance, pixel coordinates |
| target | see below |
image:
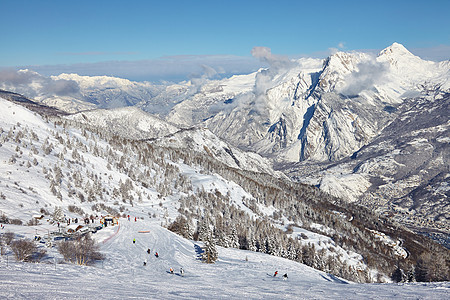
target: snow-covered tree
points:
(210, 253)
(58, 215)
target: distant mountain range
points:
(373, 130)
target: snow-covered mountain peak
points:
(337, 66)
(401, 60)
(95, 81)
(343, 59)
(129, 122)
(396, 50)
(408, 72)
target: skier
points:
(128, 217)
(135, 219)
(156, 254)
(148, 250)
(134, 241)
(145, 263)
(276, 273)
(171, 270)
(181, 271)
(285, 276)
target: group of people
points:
(285, 276)
(148, 252)
(171, 270)
(181, 271)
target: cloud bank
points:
(367, 75)
(168, 68)
(33, 84)
(264, 78)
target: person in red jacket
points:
(276, 273)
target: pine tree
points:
(398, 275)
(210, 253)
(251, 242)
(234, 238)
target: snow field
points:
(237, 273)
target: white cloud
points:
(169, 68)
(368, 73)
(275, 61)
(33, 84)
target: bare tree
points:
(2, 244)
(8, 237)
(23, 249)
(82, 251)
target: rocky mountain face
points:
(313, 111)
(402, 173)
(408, 165)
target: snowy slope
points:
(109, 92)
(237, 273)
(74, 93)
(204, 141)
(133, 123)
(43, 164)
(127, 121)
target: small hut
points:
(109, 220)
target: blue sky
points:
(116, 37)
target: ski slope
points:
(237, 274)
